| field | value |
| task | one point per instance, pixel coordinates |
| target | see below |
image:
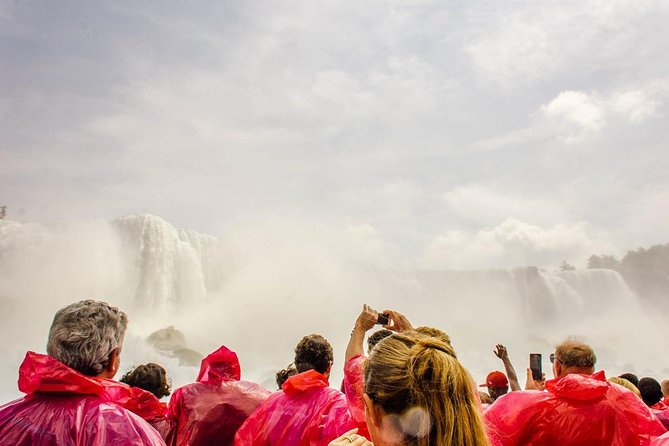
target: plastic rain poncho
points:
(64, 407)
(209, 411)
(354, 389)
(306, 412)
(577, 410)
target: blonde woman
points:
(418, 394)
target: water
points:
(258, 293)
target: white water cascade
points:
(259, 294)
(171, 267)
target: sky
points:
(431, 134)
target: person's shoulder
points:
(105, 421)
(333, 398)
(519, 402)
(275, 399)
(333, 393)
(11, 406)
(244, 391)
(526, 397)
(250, 386)
(356, 359)
(624, 400)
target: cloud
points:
(574, 116)
(535, 42)
(483, 205)
(217, 116)
(589, 110)
(636, 105)
(578, 108)
(515, 243)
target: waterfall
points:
(170, 267)
(273, 288)
(533, 294)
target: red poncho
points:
(354, 389)
(579, 410)
(661, 441)
(64, 407)
(148, 406)
(307, 412)
(209, 411)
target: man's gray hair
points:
(83, 335)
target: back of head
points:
(626, 384)
(651, 391)
(497, 384)
(435, 333)
(150, 377)
(84, 334)
(313, 352)
(376, 337)
(425, 393)
(631, 377)
(576, 355)
(283, 374)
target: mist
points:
(260, 289)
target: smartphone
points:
(383, 319)
(535, 365)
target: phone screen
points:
(383, 319)
(535, 365)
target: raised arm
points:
(365, 321)
(502, 354)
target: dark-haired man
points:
(306, 410)
(579, 407)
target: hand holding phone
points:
(535, 366)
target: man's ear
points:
(558, 369)
(114, 364)
(327, 372)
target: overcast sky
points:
(455, 134)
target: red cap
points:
(495, 379)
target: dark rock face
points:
(173, 342)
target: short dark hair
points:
(651, 391)
(283, 374)
(150, 377)
(375, 337)
(313, 352)
(631, 377)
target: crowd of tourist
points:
(408, 389)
